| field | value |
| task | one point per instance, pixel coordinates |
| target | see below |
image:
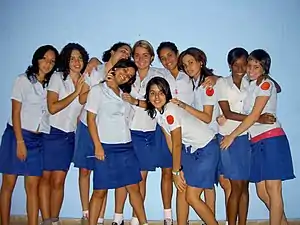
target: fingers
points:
(100, 157)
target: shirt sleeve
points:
(221, 90)
(209, 96)
(18, 89)
(265, 88)
(55, 83)
(173, 118)
(96, 76)
(93, 100)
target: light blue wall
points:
(215, 26)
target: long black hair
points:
(33, 69)
(65, 56)
(164, 86)
(107, 54)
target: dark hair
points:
(235, 54)
(164, 86)
(107, 54)
(65, 56)
(264, 59)
(199, 56)
(33, 69)
(125, 63)
(167, 44)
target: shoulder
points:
(156, 72)
(265, 84)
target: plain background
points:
(214, 26)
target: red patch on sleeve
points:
(210, 91)
(265, 86)
(170, 119)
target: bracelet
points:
(177, 173)
(138, 102)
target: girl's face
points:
(142, 58)
(168, 58)
(157, 97)
(191, 66)
(47, 63)
(76, 62)
(254, 69)
(239, 67)
(121, 53)
(123, 75)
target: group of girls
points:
(124, 118)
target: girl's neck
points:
(174, 72)
(237, 80)
(74, 76)
(40, 77)
(143, 72)
(108, 66)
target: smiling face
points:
(47, 63)
(168, 58)
(191, 66)
(123, 75)
(76, 62)
(157, 97)
(121, 53)
(142, 58)
(254, 69)
(239, 67)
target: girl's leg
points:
(96, 202)
(244, 204)
(7, 187)
(136, 202)
(210, 199)
(45, 196)
(200, 207)
(32, 199)
(166, 186)
(120, 199)
(84, 190)
(182, 208)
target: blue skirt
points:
(271, 160)
(84, 147)
(119, 169)
(164, 156)
(200, 168)
(144, 148)
(235, 161)
(11, 164)
(58, 150)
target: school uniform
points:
(200, 151)
(143, 127)
(120, 167)
(235, 161)
(33, 115)
(182, 89)
(83, 141)
(59, 143)
(208, 97)
(270, 151)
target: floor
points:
(22, 221)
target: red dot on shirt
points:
(170, 119)
(265, 86)
(210, 91)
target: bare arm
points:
(16, 120)
(55, 105)
(91, 117)
(176, 148)
(204, 116)
(84, 93)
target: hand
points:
(210, 81)
(99, 152)
(267, 118)
(128, 98)
(226, 142)
(79, 84)
(178, 102)
(179, 182)
(221, 120)
(21, 151)
(111, 80)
